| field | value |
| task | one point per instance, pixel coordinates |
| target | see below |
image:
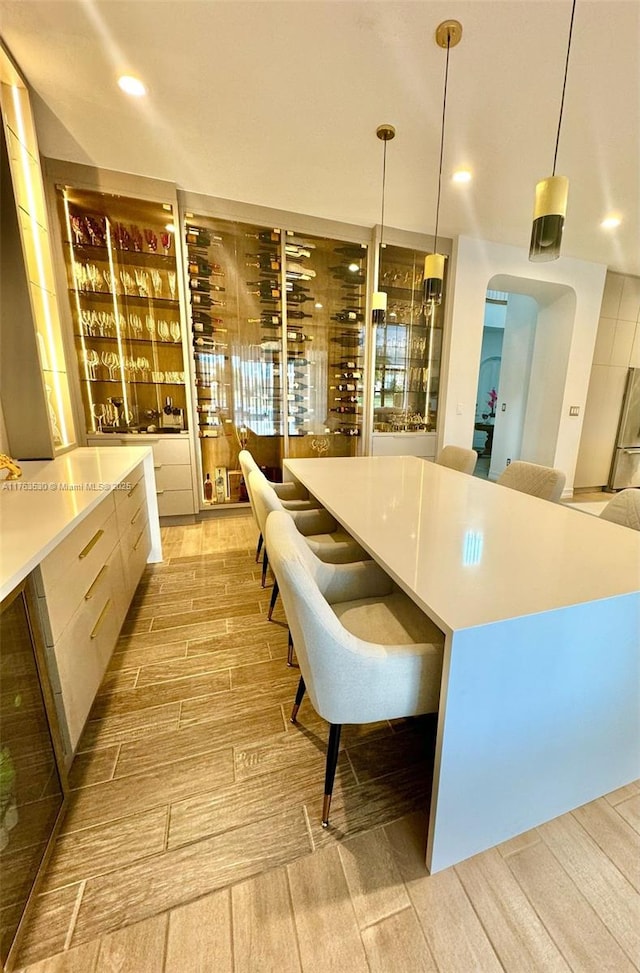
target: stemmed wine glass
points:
(152, 240)
(163, 331)
(171, 276)
(165, 239)
(111, 361)
(92, 360)
(99, 411)
(175, 330)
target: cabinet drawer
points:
(76, 583)
(173, 477)
(82, 654)
(85, 545)
(174, 502)
(134, 487)
(135, 551)
(171, 452)
(130, 514)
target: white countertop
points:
(39, 510)
(469, 551)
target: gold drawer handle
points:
(96, 628)
(133, 489)
(89, 594)
(137, 543)
(136, 515)
(92, 543)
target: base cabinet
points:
(85, 586)
(172, 463)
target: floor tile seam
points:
(540, 917)
(74, 916)
(200, 789)
(102, 719)
(105, 872)
(616, 808)
(213, 748)
(292, 908)
(601, 895)
(168, 682)
(604, 851)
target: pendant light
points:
(379, 301)
(551, 194)
(448, 35)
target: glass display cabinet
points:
(35, 383)
(408, 347)
(32, 776)
(122, 276)
(278, 337)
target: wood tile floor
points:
(193, 841)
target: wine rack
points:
(408, 347)
(277, 330)
(123, 291)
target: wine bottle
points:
(348, 314)
(346, 398)
(204, 300)
(348, 430)
(346, 364)
(199, 266)
(298, 298)
(208, 488)
(265, 261)
(295, 250)
(349, 375)
(347, 387)
(293, 241)
(298, 315)
(295, 269)
(200, 237)
(204, 284)
(351, 251)
(267, 236)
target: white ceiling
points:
(277, 103)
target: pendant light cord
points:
(564, 85)
(444, 111)
(384, 179)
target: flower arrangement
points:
(491, 401)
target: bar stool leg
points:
(330, 772)
(259, 547)
(299, 695)
(274, 598)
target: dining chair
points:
(320, 530)
(366, 651)
(538, 481)
(458, 458)
(292, 494)
(624, 509)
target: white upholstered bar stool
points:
(458, 458)
(538, 481)
(624, 509)
(292, 494)
(366, 651)
(321, 532)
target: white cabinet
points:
(172, 462)
(85, 586)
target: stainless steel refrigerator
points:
(625, 466)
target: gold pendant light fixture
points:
(384, 132)
(550, 206)
(448, 35)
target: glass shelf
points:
(408, 347)
(123, 291)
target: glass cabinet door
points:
(325, 334)
(123, 289)
(234, 283)
(408, 347)
(278, 339)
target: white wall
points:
(474, 264)
(517, 353)
(617, 349)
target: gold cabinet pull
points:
(92, 543)
(98, 624)
(89, 594)
(133, 489)
(137, 543)
(136, 515)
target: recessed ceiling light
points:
(132, 86)
(611, 222)
(461, 175)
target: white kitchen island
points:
(82, 526)
(540, 606)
